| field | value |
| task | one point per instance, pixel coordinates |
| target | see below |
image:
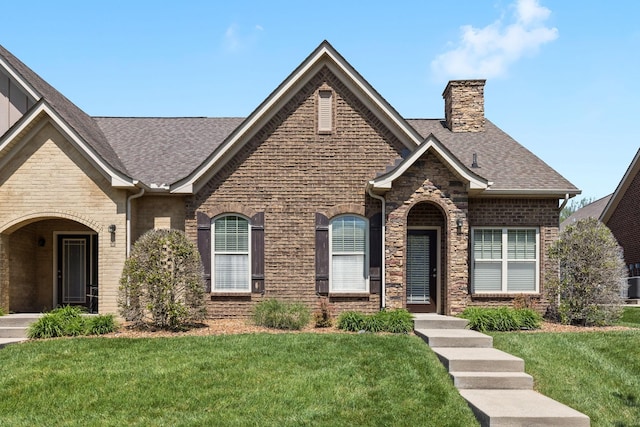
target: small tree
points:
(162, 283)
(592, 271)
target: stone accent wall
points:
(500, 212)
(290, 171)
(625, 222)
(428, 181)
(73, 190)
(464, 105)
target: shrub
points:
(100, 324)
(323, 316)
(281, 315)
(501, 318)
(351, 321)
(69, 321)
(162, 283)
(2, 313)
(394, 321)
(592, 270)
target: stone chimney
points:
(464, 105)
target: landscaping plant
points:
(592, 271)
(394, 321)
(323, 316)
(281, 315)
(71, 321)
(485, 319)
(162, 284)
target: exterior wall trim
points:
(34, 216)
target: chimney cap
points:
(463, 82)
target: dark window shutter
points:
(322, 254)
(375, 253)
(204, 246)
(257, 253)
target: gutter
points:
(383, 290)
(131, 197)
(564, 202)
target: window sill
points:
(348, 294)
(230, 294)
(505, 294)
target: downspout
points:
(383, 290)
(133, 196)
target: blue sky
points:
(561, 76)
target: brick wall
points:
(290, 171)
(500, 212)
(154, 212)
(625, 222)
(72, 190)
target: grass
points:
(630, 317)
(596, 373)
(234, 380)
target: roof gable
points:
(323, 56)
(621, 189)
(79, 123)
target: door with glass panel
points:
(77, 271)
(422, 270)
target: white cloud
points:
(235, 40)
(488, 52)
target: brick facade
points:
(52, 187)
(624, 222)
(289, 171)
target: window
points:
(505, 260)
(349, 257)
(231, 264)
(325, 111)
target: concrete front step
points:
(492, 380)
(454, 338)
(13, 332)
(437, 321)
(18, 320)
(497, 408)
(457, 359)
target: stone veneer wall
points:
(500, 212)
(430, 181)
(464, 105)
(289, 171)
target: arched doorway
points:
(51, 262)
(424, 266)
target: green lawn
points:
(236, 380)
(597, 373)
(630, 317)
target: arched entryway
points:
(424, 266)
(49, 262)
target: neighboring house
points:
(324, 190)
(592, 210)
(622, 215)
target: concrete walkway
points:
(492, 382)
(13, 327)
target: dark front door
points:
(422, 270)
(77, 271)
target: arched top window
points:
(231, 254)
(349, 237)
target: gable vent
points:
(325, 111)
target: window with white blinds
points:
(505, 260)
(325, 111)
(231, 254)
(349, 242)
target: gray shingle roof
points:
(592, 210)
(165, 150)
(501, 159)
(79, 121)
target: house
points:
(592, 210)
(621, 216)
(323, 191)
